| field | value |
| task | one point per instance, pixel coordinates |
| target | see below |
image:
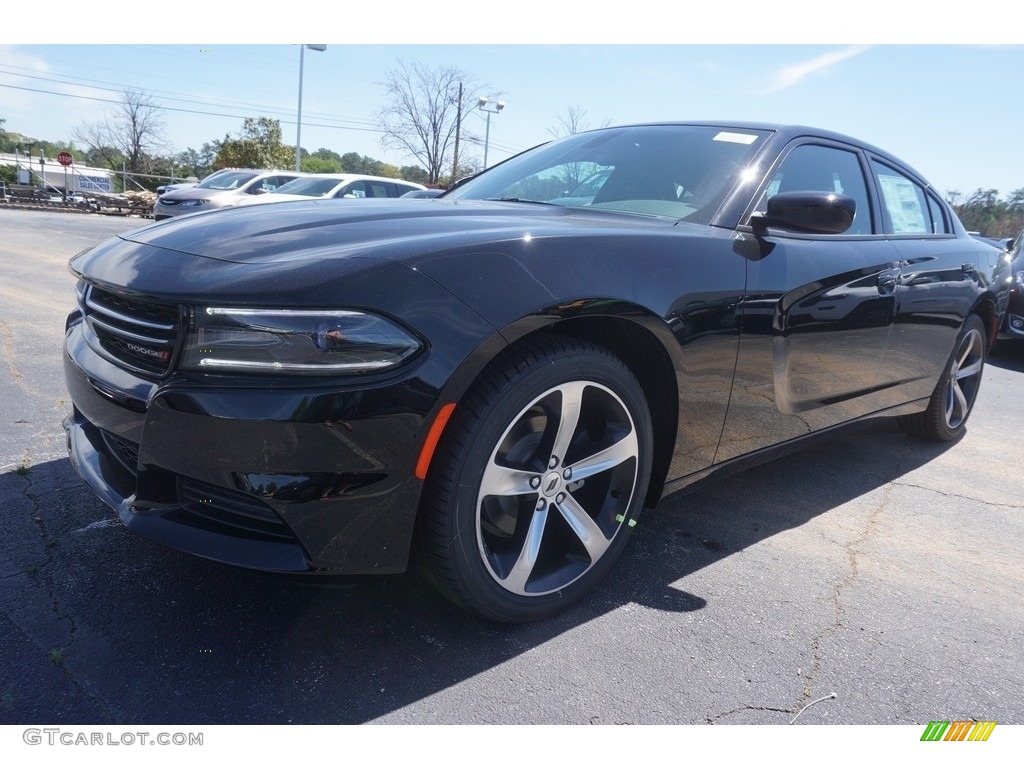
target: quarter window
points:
(940, 224)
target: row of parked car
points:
(248, 186)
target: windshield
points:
(308, 186)
(232, 180)
(672, 171)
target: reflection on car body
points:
(502, 381)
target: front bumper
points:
(1013, 323)
(285, 479)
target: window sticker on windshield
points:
(736, 138)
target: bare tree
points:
(134, 131)
(572, 121)
(423, 111)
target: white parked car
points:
(337, 185)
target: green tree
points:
(257, 146)
(321, 165)
(327, 154)
(982, 211)
(413, 173)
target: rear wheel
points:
(538, 481)
(953, 399)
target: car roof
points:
(359, 177)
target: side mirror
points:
(819, 213)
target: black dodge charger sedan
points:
(496, 382)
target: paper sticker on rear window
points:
(736, 138)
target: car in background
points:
(424, 193)
(186, 184)
(171, 187)
(326, 186)
(497, 384)
(221, 190)
(1001, 243)
(1013, 325)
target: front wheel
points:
(538, 481)
(953, 399)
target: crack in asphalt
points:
(45, 584)
(852, 553)
(949, 495)
(747, 708)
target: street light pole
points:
(495, 109)
(298, 122)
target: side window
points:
(379, 189)
(905, 202)
(355, 189)
(815, 168)
(940, 224)
(268, 184)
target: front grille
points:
(230, 512)
(125, 451)
(139, 333)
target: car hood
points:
(392, 229)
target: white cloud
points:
(794, 73)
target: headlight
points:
(293, 340)
(192, 203)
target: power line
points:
(263, 109)
(181, 109)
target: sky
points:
(944, 99)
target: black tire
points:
(951, 403)
(511, 530)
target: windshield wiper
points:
(517, 200)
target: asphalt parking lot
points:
(875, 566)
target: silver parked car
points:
(221, 190)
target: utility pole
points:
(458, 126)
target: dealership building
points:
(76, 178)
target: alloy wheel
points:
(556, 489)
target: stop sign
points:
(65, 158)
